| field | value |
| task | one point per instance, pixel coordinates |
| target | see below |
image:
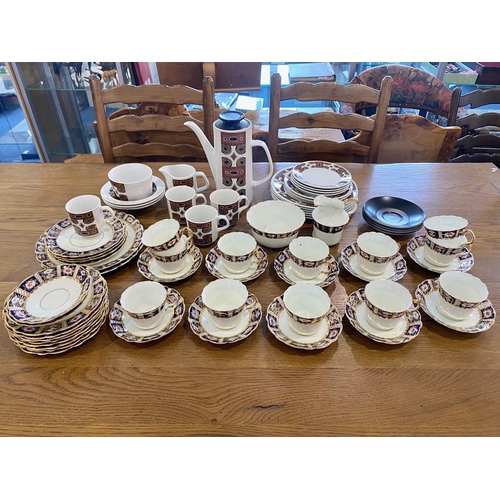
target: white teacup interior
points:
(237, 243)
(309, 249)
(83, 204)
(144, 301)
(160, 232)
(377, 244)
(388, 295)
(445, 223)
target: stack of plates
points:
(112, 201)
(56, 309)
(115, 246)
(393, 216)
(301, 183)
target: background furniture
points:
(155, 128)
(331, 150)
(480, 129)
(414, 139)
(412, 88)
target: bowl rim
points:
(284, 204)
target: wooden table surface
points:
(441, 383)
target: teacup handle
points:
(245, 205)
(469, 233)
(351, 200)
(109, 211)
(329, 267)
(200, 197)
(188, 233)
(225, 223)
(414, 306)
(201, 175)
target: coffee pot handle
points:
(263, 145)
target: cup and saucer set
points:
(374, 256)
(225, 312)
(56, 309)
(307, 260)
(146, 311)
(132, 186)
(445, 245)
(304, 318)
(92, 234)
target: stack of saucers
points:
(301, 183)
(116, 245)
(109, 197)
(56, 309)
(393, 216)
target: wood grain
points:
(442, 383)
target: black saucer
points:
(393, 214)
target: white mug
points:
(206, 223)
(229, 203)
(131, 181)
(180, 199)
(87, 214)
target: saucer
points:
(481, 319)
(283, 266)
(394, 271)
(415, 248)
(327, 333)
(203, 326)
(123, 326)
(405, 330)
(149, 268)
(155, 197)
(216, 267)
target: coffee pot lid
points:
(232, 120)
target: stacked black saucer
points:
(393, 216)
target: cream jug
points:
(230, 158)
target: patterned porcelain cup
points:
(230, 203)
(206, 224)
(387, 302)
(306, 306)
(459, 294)
(146, 303)
(225, 301)
(328, 224)
(308, 254)
(237, 250)
(131, 181)
(87, 214)
(443, 252)
(180, 199)
(448, 227)
(165, 237)
(375, 251)
(173, 262)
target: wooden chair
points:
(480, 133)
(323, 149)
(414, 139)
(412, 88)
(154, 130)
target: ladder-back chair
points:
(154, 130)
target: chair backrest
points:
(412, 88)
(480, 132)
(322, 149)
(412, 138)
(154, 130)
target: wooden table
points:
(441, 383)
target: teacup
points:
(237, 250)
(225, 301)
(172, 262)
(328, 224)
(131, 181)
(145, 302)
(180, 199)
(230, 203)
(308, 254)
(184, 175)
(387, 302)
(375, 251)
(448, 227)
(87, 214)
(459, 294)
(165, 237)
(206, 223)
(443, 252)
(306, 306)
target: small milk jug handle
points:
(263, 145)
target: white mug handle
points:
(200, 197)
(245, 205)
(263, 145)
(225, 222)
(202, 176)
(110, 211)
